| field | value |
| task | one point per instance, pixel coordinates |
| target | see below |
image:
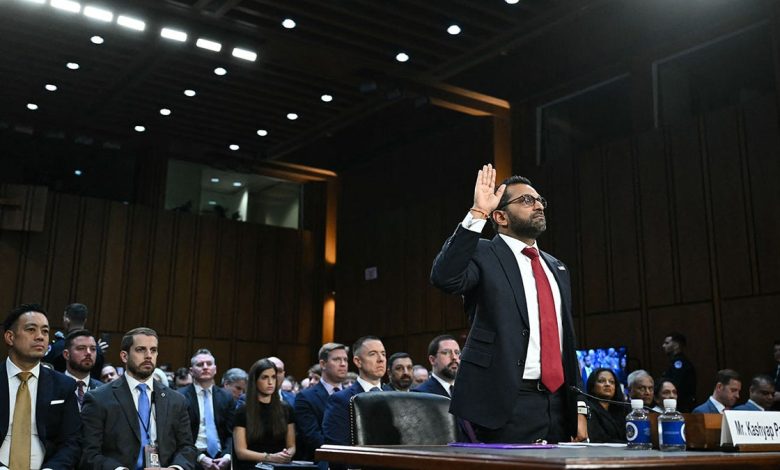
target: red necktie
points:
(552, 368)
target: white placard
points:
(750, 427)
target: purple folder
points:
(479, 445)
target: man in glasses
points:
(444, 356)
(522, 335)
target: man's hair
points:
(17, 312)
(181, 373)
(76, 334)
(127, 339)
(660, 383)
(725, 376)
(512, 180)
(327, 348)
(360, 342)
(234, 375)
(395, 357)
(77, 313)
(314, 369)
(636, 375)
(199, 352)
(777, 342)
(433, 346)
(761, 379)
(418, 366)
(678, 338)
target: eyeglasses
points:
(526, 200)
(449, 352)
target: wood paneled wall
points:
(671, 230)
(244, 291)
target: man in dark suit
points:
(73, 318)
(368, 355)
(728, 384)
(519, 361)
(286, 396)
(79, 355)
(444, 356)
(680, 371)
(35, 396)
(212, 427)
(762, 394)
(399, 373)
(310, 403)
(124, 419)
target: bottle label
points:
(638, 432)
(673, 433)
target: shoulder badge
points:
(678, 364)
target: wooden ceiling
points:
(344, 48)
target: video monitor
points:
(614, 358)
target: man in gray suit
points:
(135, 420)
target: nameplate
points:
(750, 427)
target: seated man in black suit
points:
(79, 354)
(212, 411)
(310, 403)
(444, 356)
(39, 417)
(368, 355)
(121, 431)
(399, 373)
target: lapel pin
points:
(562, 268)
(162, 394)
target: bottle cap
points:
(637, 404)
(670, 403)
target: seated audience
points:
(286, 396)
(664, 389)
(160, 376)
(108, 374)
(399, 373)
(314, 374)
(762, 394)
(725, 395)
(607, 421)
(444, 357)
(640, 386)
(349, 380)
(419, 375)
(264, 429)
(234, 381)
(182, 378)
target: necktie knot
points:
(531, 252)
(375, 389)
(141, 388)
(24, 376)
(336, 389)
(81, 384)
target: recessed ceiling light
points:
(326, 98)
(39, 2)
(212, 203)
(288, 23)
(173, 34)
(512, 2)
(165, 112)
(209, 45)
(96, 40)
(189, 93)
(32, 106)
(72, 65)
(402, 57)
(237, 184)
(98, 14)
(220, 71)
(130, 22)
(292, 116)
(77, 173)
(139, 128)
(245, 54)
(215, 180)
(66, 5)
(50, 87)
(234, 147)
(262, 132)
(454, 29)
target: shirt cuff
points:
(473, 224)
(227, 456)
(176, 466)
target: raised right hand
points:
(486, 197)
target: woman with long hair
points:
(264, 429)
(607, 421)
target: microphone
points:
(574, 388)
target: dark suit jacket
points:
(747, 406)
(335, 422)
(485, 272)
(289, 397)
(432, 386)
(309, 413)
(224, 414)
(112, 434)
(56, 416)
(706, 407)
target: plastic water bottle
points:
(672, 424)
(638, 427)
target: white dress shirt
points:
(367, 386)
(37, 451)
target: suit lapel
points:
(193, 398)
(125, 399)
(512, 271)
(42, 401)
(4, 400)
(160, 401)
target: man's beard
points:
(404, 382)
(531, 228)
(136, 370)
(77, 366)
(447, 373)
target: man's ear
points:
(432, 360)
(123, 356)
(66, 354)
(500, 218)
(9, 337)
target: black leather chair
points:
(401, 418)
